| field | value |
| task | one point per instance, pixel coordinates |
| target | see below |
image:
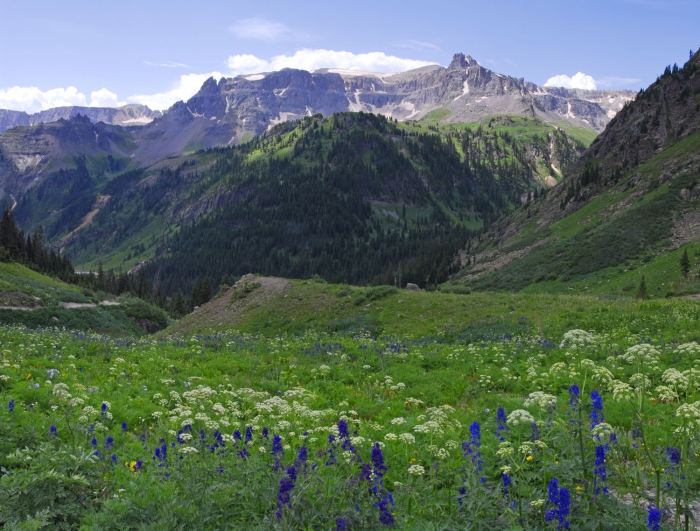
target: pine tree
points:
(642, 289)
(685, 263)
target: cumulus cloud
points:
(104, 98)
(311, 60)
(33, 99)
(265, 30)
(186, 87)
(578, 81)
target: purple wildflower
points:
(654, 519)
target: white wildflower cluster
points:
(407, 438)
(643, 354)
(542, 400)
(416, 470)
(520, 416)
(576, 339)
(620, 390)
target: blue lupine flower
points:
(534, 432)
(597, 412)
(674, 454)
(378, 460)
(385, 515)
(285, 489)
(341, 524)
(139, 464)
(124, 427)
(265, 433)
(52, 431)
(331, 450)
(365, 472)
(157, 452)
(96, 453)
(114, 459)
(553, 491)
(574, 396)
(277, 445)
(109, 442)
(248, 434)
(104, 409)
(654, 519)
(237, 435)
(202, 436)
(564, 508)
(553, 498)
(599, 472)
(506, 482)
(94, 442)
(302, 456)
(502, 422)
(475, 431)
(11, 406)
(164, 452)
(343, 429)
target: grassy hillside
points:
(261, 305)
(629, 208)
(31, 299)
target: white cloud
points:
(311, 60)
(616, 82)
(417, 45)
(167, 64)
(264, 30)
(578, 81)
(184, 89)
(104, 98)
(32, 99)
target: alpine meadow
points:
(343, 291)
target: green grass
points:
(20, 280)
(423, 370)
(436, 116)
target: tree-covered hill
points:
(353, 197)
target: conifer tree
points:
(642, 290)
(685, 263)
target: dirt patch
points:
(19, 299)
(225, 311)
(100, 202)
(483, 268)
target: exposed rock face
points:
(126, 115)
(28, 153)
(234, 110)
(237, 109)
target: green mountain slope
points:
(352, 197)
(631, 200)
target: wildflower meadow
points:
(588, 430)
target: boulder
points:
(412, 287)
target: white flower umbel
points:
(520, 416)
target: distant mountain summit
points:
(126, 115)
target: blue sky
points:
(155, 52)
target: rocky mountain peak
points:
(459, 60)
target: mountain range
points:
(457, 161)
(235, 110)
(132, 114)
